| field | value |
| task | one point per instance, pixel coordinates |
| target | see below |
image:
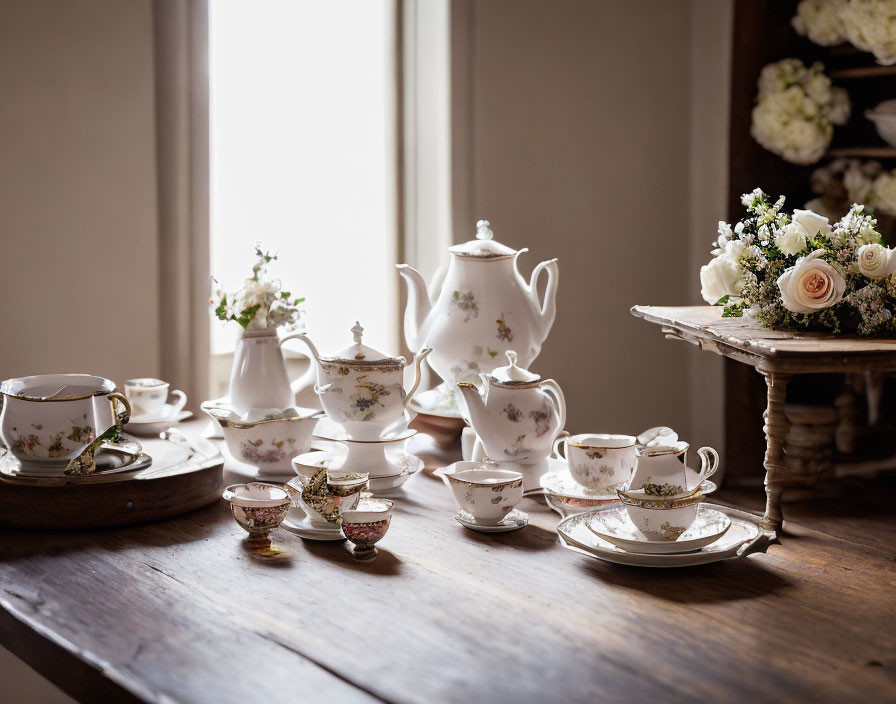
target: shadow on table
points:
(729, 580)
(386, 564)
(533, 538)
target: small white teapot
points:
(362, 389)
(661, 468)
(517, 415)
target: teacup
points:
(661, 518)
(486, 494)
(365, 524)
(599, 460)
(257, 507)
(149, 397)
(325, 493)
(50, 419)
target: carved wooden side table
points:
(777, 355)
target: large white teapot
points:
(518, 415)
(362, 389)
(483, 308)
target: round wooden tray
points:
(178, 480)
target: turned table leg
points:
(776, 425)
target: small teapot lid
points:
(675, 447)
(484, 246)
(513, 374)
(359, 352)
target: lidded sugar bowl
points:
(517, 414)
(361, 388)
(483, 308)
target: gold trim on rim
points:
(100, 392)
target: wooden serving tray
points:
(178, 480)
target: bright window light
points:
(302, 160)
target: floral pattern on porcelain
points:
(465, 302)
(53, 446)
(366, 534)
(664, 489)
(601, 462)
(504, 331)
(259, 521)
(254, 451)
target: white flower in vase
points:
(791, 239)
(875, 261)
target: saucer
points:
(514, 520)
(398, 468)
(613, 525)
(439, 401)
(738, 540)
(382, 485)
(145, 426)
(565, 495)
(328, 430)
(109, 460)
(297, 522)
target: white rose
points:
(875, 261)
(734, 250)
(813, 222)
(811, 285)
(791, 239)
(721, 277)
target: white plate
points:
(297, 522)
(614, 525)
(514, 520)
(740, 537)
(147, 428)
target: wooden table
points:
(777, 355)
(181, 611)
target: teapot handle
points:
(418, 360)
(548, 306)
(552, 388)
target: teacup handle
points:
(561, 439)
(125, 415)
(709, 463)
(180, 402)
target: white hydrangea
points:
(795, 110)
(819, 20)
(871, 25)
(882, 193)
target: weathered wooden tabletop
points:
(745, 340)
(180, 611)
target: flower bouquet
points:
(260, 304)
(846, 181)
(796, 109)
(869, 25)
(802, 273)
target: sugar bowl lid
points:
(358, 352)
(513, 374)
(484, 246)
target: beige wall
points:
(77, 204)
(77, 188)
(577, 144)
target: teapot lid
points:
(360, 353)
(675, 447)
(513, 374)
(484, 246)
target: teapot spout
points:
(475, 403)
(418, 306)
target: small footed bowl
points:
(662, 519)
(366, 524)
(257, 507)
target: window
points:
(302, 122)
